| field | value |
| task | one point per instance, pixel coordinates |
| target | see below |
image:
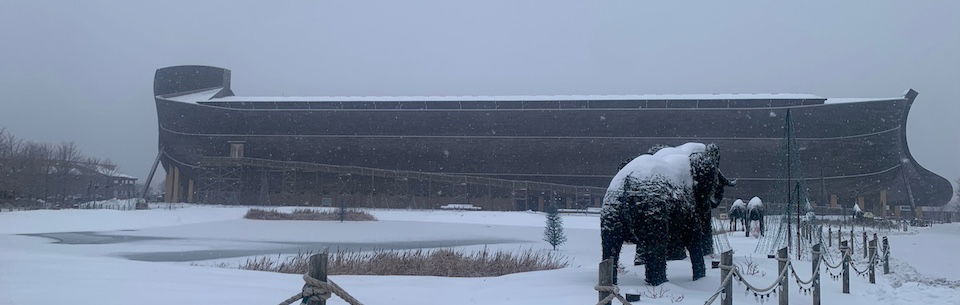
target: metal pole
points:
(782, 259)
(789, 175)
(153, 170)
(873, 261)
(726, 265)
(798, 220)
(816, 281)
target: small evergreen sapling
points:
(553, 232)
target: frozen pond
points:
(91, 238)
(96, 238)
(293, 248)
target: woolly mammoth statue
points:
(661, 202)
(754, 213)
(738, 211)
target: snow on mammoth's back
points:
(672, 163)
(739, 203)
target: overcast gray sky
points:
(83, 70)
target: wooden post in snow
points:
(318, 270)
(865, 245)
(726, 266)
(829, 237)
(852, 243)
(845, 253)
(886, 256)
(607, 273)
(782, 259)
(839, 235)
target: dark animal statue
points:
(662, 217)
(754, 213)
(738, 212)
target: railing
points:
(318, 288)
(388, 173)
(811, 286)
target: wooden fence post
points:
(782, 259)
(318, 270)
(820, 234)
(886, 256)
(839, 235)
(852, 243)
(816, 280)
(865, 245)
(726, 266)
(829, 237)
(810, 232)
(873, 261)
(845, 253)
(607, 273)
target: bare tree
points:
(31, 171)
(7, 148)
(65, 157)
(8, 144)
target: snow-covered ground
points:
(931, 253)
(98, 269)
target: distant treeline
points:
(33, 173)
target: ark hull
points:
(569, 148)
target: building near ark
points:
(519, 152)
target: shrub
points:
(308, 214)
(435, 262)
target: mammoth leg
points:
(611, 241)
(696, 259)
(655, 250)
(706, 233)
(611, 246)
(746, 226)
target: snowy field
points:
(166, 256)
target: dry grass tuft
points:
(436, 262)
(308, 214)
(751, 268)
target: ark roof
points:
(519, 98)
(210, 94)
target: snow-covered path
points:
(932, 252)
(34, 270)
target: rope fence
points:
(822, 259)
(317, 287)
